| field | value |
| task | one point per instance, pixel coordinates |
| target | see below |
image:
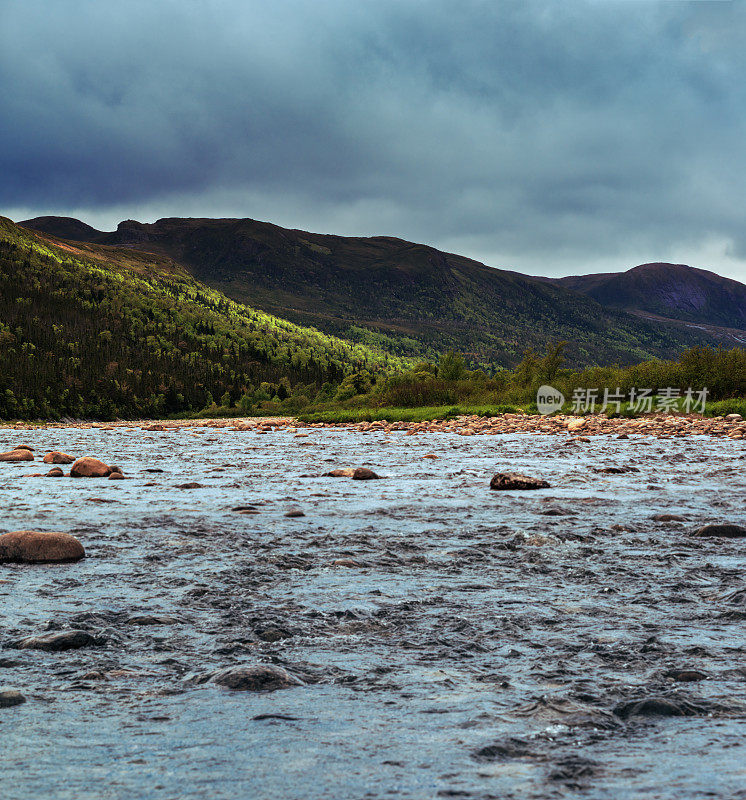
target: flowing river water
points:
(468, 643)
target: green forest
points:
(133, 336)
(107, 332)
(449, 388)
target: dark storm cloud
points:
(544, 133)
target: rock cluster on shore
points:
(731, 426)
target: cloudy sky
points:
(549, 136)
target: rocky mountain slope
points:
(674, 291)
(408, 298)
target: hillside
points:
(675, 291)
(103, 331)
(408, 298)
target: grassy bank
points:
(389, 414)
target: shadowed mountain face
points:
(64, 228)
(675, 291)
(408, 298)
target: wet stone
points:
(659, 707)
(256, 678)
(10, 698)
(34, 547)
(725, 531)
(56, 642)
(516, 481)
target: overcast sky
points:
(548, 136)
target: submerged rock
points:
(55, 472)
(56, 642)
(152, 619)
(357, 474)
(726, 531)
(39, 546)
(658, 707)
(89, 467)
(11, 697)
(686, 675)
(514, 480)
(256, 678)
(55, 457)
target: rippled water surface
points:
(474, 646)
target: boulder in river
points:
(364, 474)
(17, 455)
(89, 467)
(55, 472)
(256, 678)
(11, 697)
(514, 480)
(660, 707)
(34, 547)
(339, 473)
(56, 642)
(725, 531)
(55, 457)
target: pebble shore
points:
(660, 425)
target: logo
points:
(549, 400)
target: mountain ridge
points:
(411, 299)
(674, 291)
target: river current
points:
(453, 641)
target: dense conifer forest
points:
(129, 335)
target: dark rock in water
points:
(557, 511)
(55, 472)
(572, 769)
(344, 562)
(615, 470)
(357, 474)
(11, 697)
(192, 485)
(116, 476)
(364, 474)
(659, 707)
(55, 642)
(256, 678)
(514, 480)
(153, 469)
(294, 512)
(291, 561)
(725, 531)
(685, 675)
(273, 634)
(36, 547)
(501, 751)
(152, 619)
(668, 518)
